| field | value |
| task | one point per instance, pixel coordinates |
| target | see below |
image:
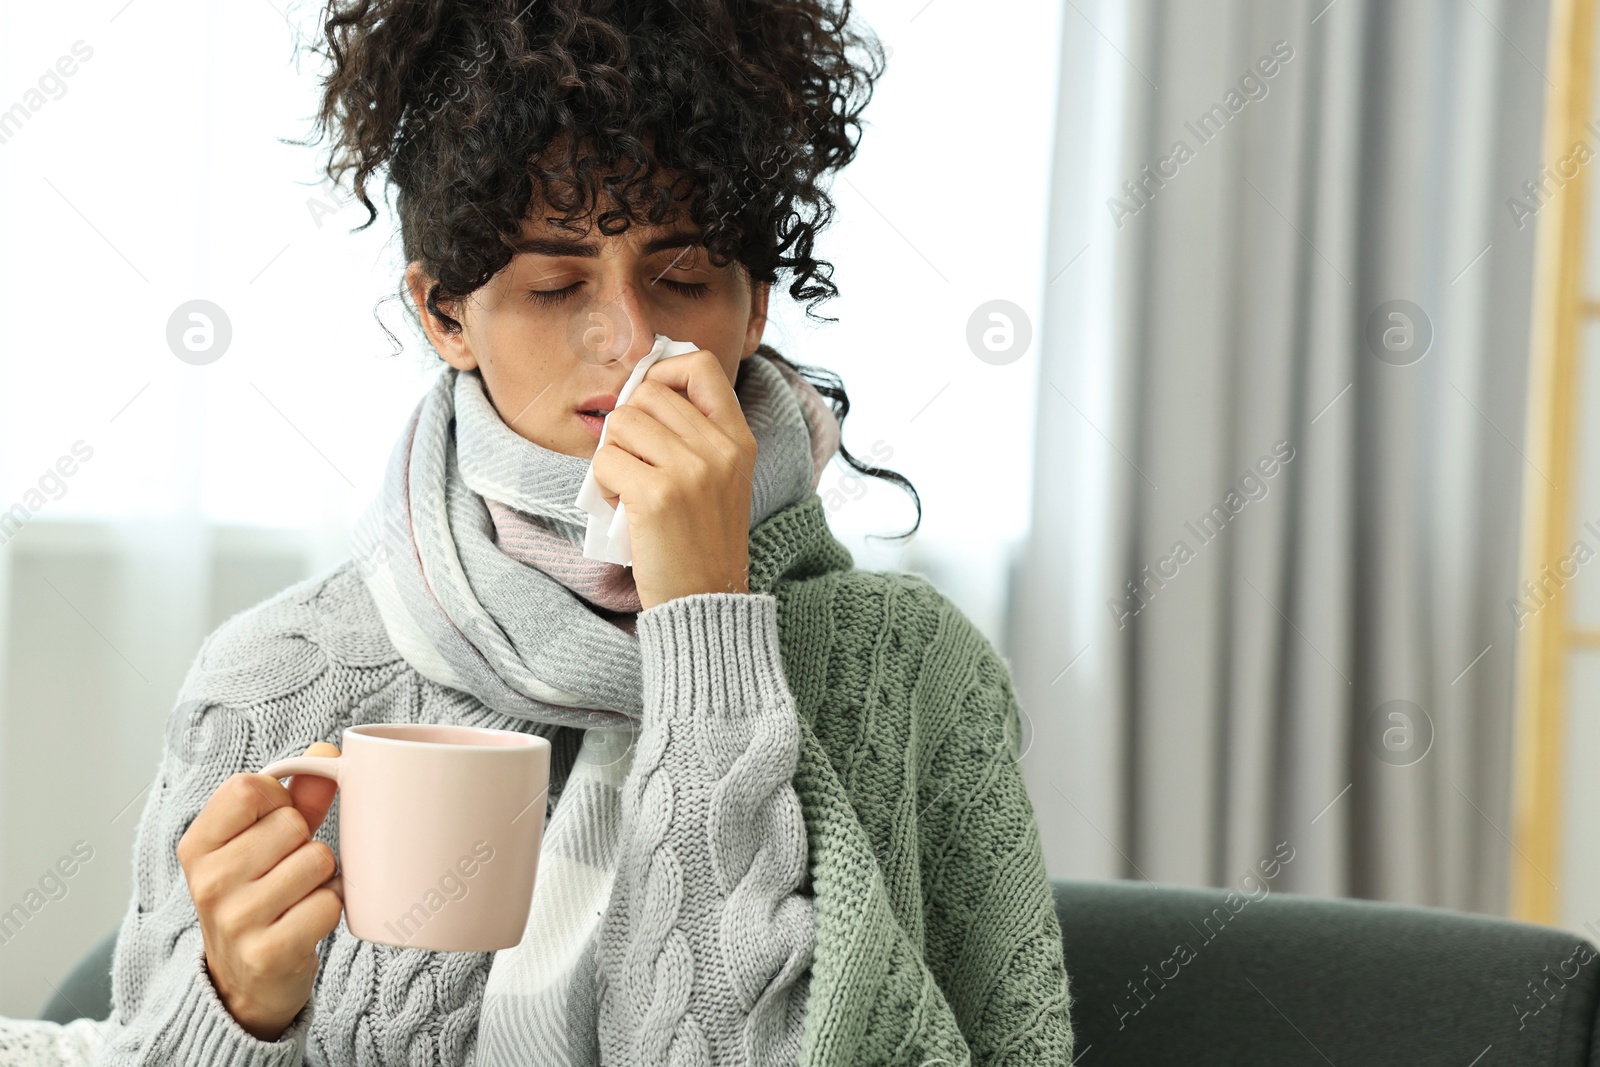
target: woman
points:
(784, 791)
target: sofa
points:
(1202, 977)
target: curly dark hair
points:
(478, 111)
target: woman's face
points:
(559, 328)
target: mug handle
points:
(322, 766)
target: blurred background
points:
(1237, 350)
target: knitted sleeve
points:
(937, 938)
(707, 940)
(992, 940)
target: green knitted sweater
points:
(937, 939)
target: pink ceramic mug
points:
(439, 831)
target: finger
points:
(673, 410)
(620, 473)
(701, 378)
(638, 432)
(256, 851)
(313, 795)
(297, 931)
(702, 437)
(238, 804)
(295, 877)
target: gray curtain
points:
(1277, 506)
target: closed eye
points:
(692, 290)
(552, 296)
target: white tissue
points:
(607, 536)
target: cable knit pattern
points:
(720, 734)
(935, 938)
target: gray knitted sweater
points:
(314, 659)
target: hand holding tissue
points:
(607, 536)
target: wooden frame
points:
(1544, 643)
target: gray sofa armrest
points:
(1163, 974)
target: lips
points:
(592, 412)
(601, 404)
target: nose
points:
(616, 332)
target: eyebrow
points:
(566, 246)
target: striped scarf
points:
(473, 553)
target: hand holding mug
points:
(260, 885)
(439, 834)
